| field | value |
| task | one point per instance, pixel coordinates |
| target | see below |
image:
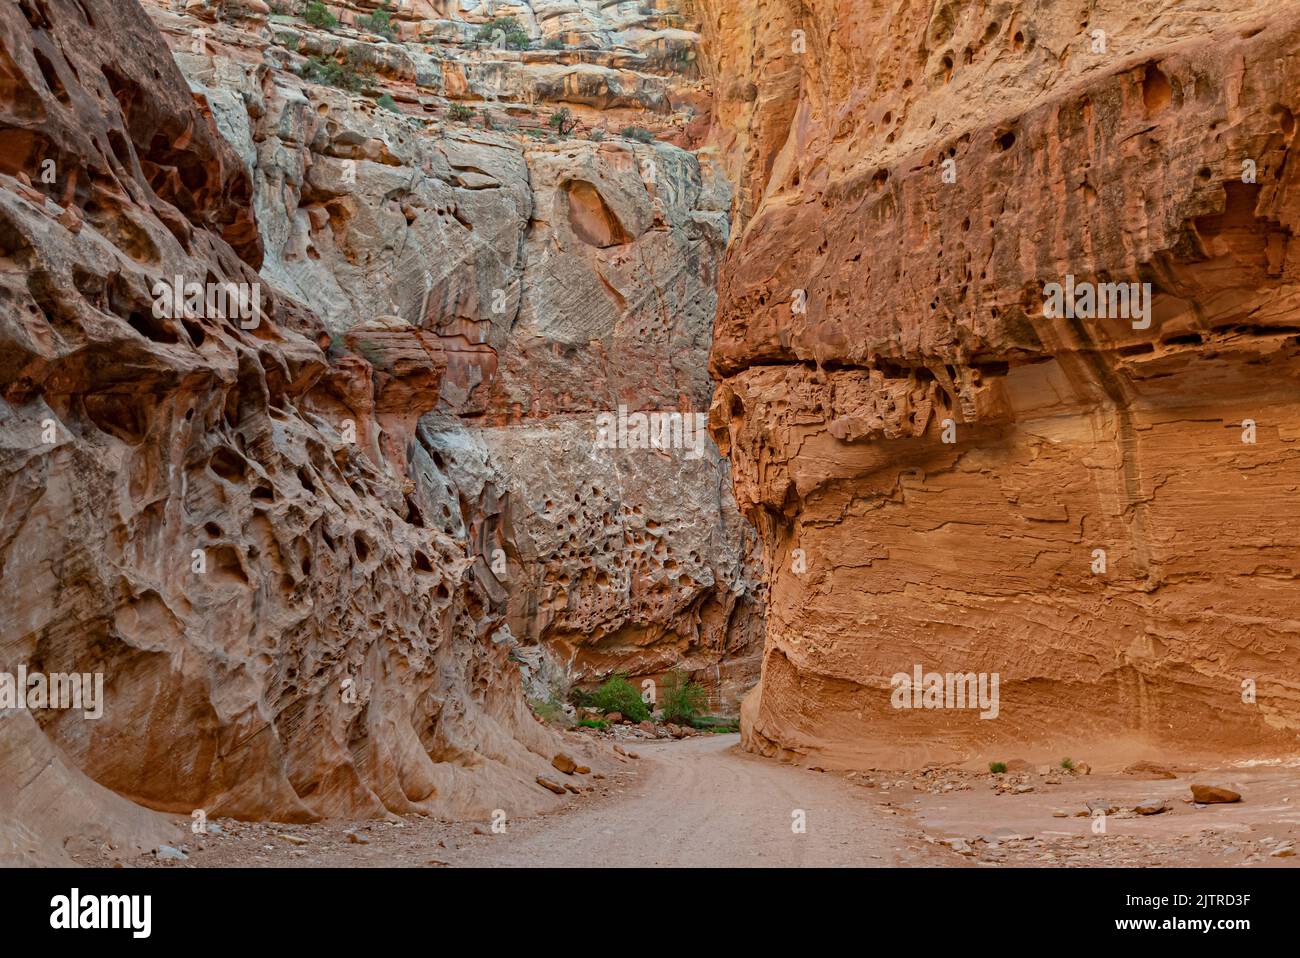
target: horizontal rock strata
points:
(1102, 511)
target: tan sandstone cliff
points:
(323, 557)
(563, 276)
(282, 632)
(921, 172)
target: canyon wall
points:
(1101, 511)
(324, 552)
(563, 276)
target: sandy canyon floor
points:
(703, 802)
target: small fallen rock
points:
(613, 718)
(1286, 851)
(170, 853)
(356, 838)
(564, 764)
(582, 770)
(1153, 806)
(1102, 805)
(294, 839)
(1214, 795)
(548, 784)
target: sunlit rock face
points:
(947, 470)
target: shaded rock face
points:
(1099, 510)
(561, 278)
(231, 528)
(322, 548)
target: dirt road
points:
(697, 802)
(702, 803)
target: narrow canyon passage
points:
(408, 410)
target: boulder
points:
(1214, 795)
(564, 764)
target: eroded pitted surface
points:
(280, 543)
(282, 632)
(924, 285)
(562, 276)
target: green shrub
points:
(459, 112)
(345, 76)
(508, 30)
(555, 43)
(638, 133)
(563, 120)
(318, 15)
(682, 700)
(388, 103)
(380, 22)
(596, 135)
(593, 723)
(1067, 764)
(997, 768)
(617, 694)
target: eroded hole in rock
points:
(591, 218)
(122, 414)
(36, 13)
(51, 77)
(228, 464)
(360, 546)
(1156, 91)
(153, 328)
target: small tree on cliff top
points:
(507, 31)
(564, 121)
